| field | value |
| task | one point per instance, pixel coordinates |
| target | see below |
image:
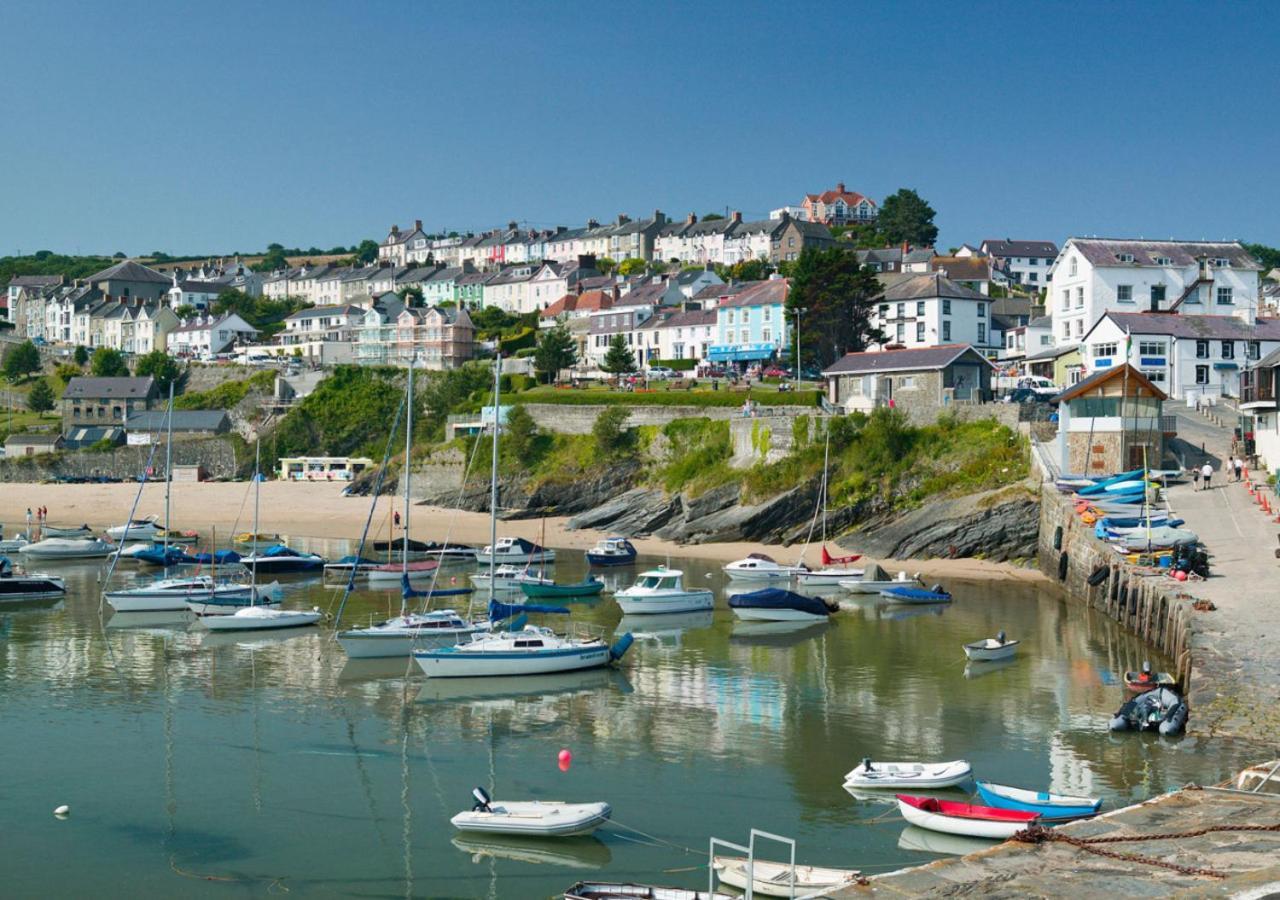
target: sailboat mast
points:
(168, 473)
(408, 450)
(826, 483)
(257, 481)
(493, 476)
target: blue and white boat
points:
(777, 605)
(1050, 807)
(934, 594)
(163, 555)
(613, 551)
(281, 559)
(531, 650)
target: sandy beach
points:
(320, 510)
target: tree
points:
(605, 265)
(1268, 256)
(519, 433)
(411, 295)
(750, 270)
(836, 294)
(21, 360)
(66, 372)
(367, 252)
(160, 366)
(107, 363)
(556, 350)
(609, 431)
(712, 217)
(905, 216)
(619, 360)
(272, 260)
(41, 398)
(632, 266)
(185, 311)
(81, 356)
(119, 254)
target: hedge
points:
(567, 397)
(677, 365)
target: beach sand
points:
(320, 510)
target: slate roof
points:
(1105, 251)
(83, 386)
(882, 255)
(202, 287)
(689, 318)
(1010, 247)
(313, 312)
(130, 271)
(643, 295)
(40, 281)
(1051, 352)
(963, 268)
(1041, 322)
(183, 420)
(925, 287)
(720, 291)
(1103, 375)
(202, 325)
(1193, 327)
(769, 292)
(35, 440)
(915, 359)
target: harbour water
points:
(197, 764)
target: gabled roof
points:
(1009, 247)
(35, 440)
(643, 295)
(925, 287)
(1193, 326)
(130, 271)
(770, 292)
(689, 318)
(183, 420)
(587, 301)
(199, 324)
(313, 312)
(963, 268)
(40, 281)
(853, 198)
(201, 287)
(1102, 376)
(1107, 252)
(1052, 352)
(82, 386)
(915, 359)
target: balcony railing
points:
(1257, 387)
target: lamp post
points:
(799, 311)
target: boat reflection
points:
(924, 841)
(255, 640)
(978, 669)
(897, 612)
(169, 620)
(452, 690)
(35, 604)
(392, 667)
(664, 629)
(777, 634)
(570, 853)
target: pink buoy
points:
(1180, 575)
(566, 758)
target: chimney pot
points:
(691, 219)
(417, 224)
(840, 187)
(395, 229)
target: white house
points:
(1189, 357)
(1258, 399)
(929, 310)
(321, 323)
(206, 335)
(679, 334)
(510, 290)
(1025, 262)
(1094, 275)
(1023, 340)
(400, 243)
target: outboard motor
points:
(937, 589)
(866, 764)
(1000, 637)
(6, 567)
(1146, 667)
(482, 800)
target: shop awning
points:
(1225, 365)
(740, 352)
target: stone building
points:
(105, 402)
(1111, 422)
(922, 378)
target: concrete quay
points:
(1243, 863)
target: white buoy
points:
(62, 811)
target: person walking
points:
(1206, 472)
(1239, 469)
(1195, 476)
(397, 518)
(1231, 467)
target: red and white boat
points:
(953, 817)
(392, 573)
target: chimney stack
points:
(691, 219)
(659, 217)
(839, 187)
(512, 225)
(736, 217)
(395, 229)
(417, 224)
(592, 223)
(623, 218)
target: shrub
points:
(669, 398)
(67, 371)
(698, 455)
(609, 431)
(678, 365)
(227, 394)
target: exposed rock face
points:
(997, 525)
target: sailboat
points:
(398, 636)
(834, 568)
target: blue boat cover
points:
(499, 611)
(221, 557)
(158, 555)
(280, 550)
(777, 598)
(911, 593)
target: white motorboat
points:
(759, 567)
(399, 636)
(168, 594)
(952, 817)
(833, 576)
(515, 550)
(16, 586)
(13, 544)
(508, 578)
(228, 605)
(662, 590)
(875, 579)
(991, 649)
(532, 650)
(147, 529)
(779, 879)
(64, 531)
(543, 818)
(260, 618)
(912, 775)
(68, 548)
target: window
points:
(1079, 327)
(1154, 375)
(730, 317)
(919, 332)
(1046, 340)
(1124, 293)
(982, 310)
(907, 381)
(1072, 267)
(746, 336)
(1251, 350)
(1202, 349)
(1066, 298)
(1224, 296)
(746, 317)
(946, 307)
(1228, 349)
(1202, 374)
(884, 309)
(901, 332)
(901, 310)
(1222, 263)
(1157, 295)
(919, 307)
(1162, 261)
(1066, 331)
(946, 331)
(1151, 348)
(1104, 350)
(982, 333)
(1033, 276)
(1125, 257)
(768, 310)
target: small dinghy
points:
(934, 594)
(953, 817)
(881, 775)
(875, 579)
(515, 550)
(63, 531)
(991, 649)
(1146, 680)
(262, 618)
(1050, 807)
(777, 605)
(136, 530)
(618, 890)
(533, 817)
(1160, 709)
(343, 568)
(777, 879)
(828, 576)
(540, 590)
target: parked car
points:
(659, 373)
(1028, 395)
(777, 372)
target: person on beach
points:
(396, 517)
(1206, 472)
(1195, 476)
(28, 518)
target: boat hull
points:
(773, 879)
(30, 587)
(914, 595)
(126, 601)
(689, 601)
(383, 645)
(546, 557)
(220, 607)
(449, 662)
(1050, 807)
(827, 579)
(539, 819)
(967, 827)
(980, 653)
(760, 614)
(911, 776)
(282, 619)
(601, 559)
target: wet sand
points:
(320, 510)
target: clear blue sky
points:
(214, 127)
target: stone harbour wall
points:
(569, 419)
(217, 455)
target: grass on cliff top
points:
(227, 394)
(663, 395)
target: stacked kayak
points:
(1160, 538)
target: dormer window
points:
(1221, 263)
(1162, 261)
(1125, 257)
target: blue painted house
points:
(751, 325)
